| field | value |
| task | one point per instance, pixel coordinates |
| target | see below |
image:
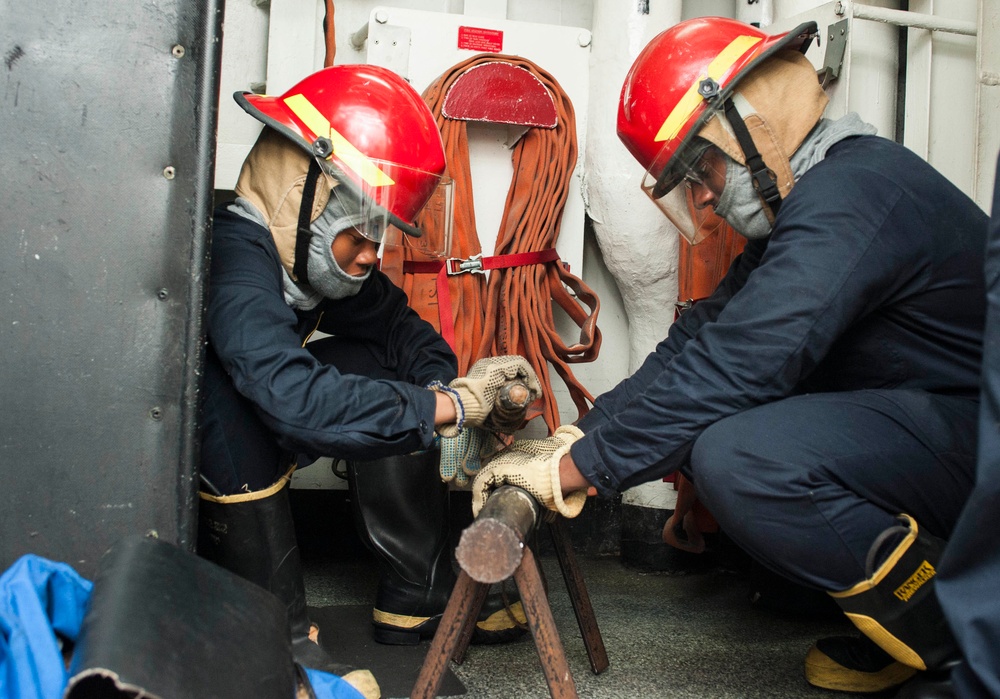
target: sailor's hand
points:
(533, 465)
(478, 392)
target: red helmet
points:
(368, 128)
(680, 80)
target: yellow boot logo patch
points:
(923, 574)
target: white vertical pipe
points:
(942, 86)
(987, 103)
(637, 243)
(919, 61)
(766, 12)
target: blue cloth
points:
(969, 574)
(40, 599)
(327, 686)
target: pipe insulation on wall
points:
(637, 242)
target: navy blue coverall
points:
(969, 575)
(355, 395)
(830, 382)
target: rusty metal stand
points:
(492, 549)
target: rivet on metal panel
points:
(156, 413)
(584, 39)
(178, 51)
(162, 294)
(169, 172)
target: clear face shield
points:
(434, 221)
(677, 184)
(396, 186)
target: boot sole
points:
(486, 638)
(497, 628)
(400, 637)
(411, 637)
(824, 672)
(502, 626)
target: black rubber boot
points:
(252, 535)
(897, 608)
(400, 508)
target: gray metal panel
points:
(102, 274)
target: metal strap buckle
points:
(456, 265)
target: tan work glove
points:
(532, 464)
(476, 394)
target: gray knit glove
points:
(463, 454)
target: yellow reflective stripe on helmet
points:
(345, 151)
(358, 161)
(691, 99)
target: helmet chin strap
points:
(764, 180)
(304, 232)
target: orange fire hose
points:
(700, 268)
(512, 313)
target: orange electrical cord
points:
(329, 35)
(512, 313)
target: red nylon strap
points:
(453, 266)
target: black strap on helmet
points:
(764, 179)
(301, 266)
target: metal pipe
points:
(491, 548)
(359, 37)
(915, 20)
